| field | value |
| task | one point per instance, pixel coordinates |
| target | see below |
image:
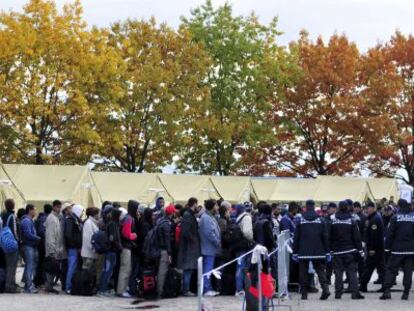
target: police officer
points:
(311, 244)
(332, 207)
(362, 219)
(374, 239)
(346, 248)
(400, 243)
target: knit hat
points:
(170, 209)
(107, 209)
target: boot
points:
(357, 296)
(325, 292)
(386, 295)
(338, 295)
(405, 295)
(304, 295)
(363, 288)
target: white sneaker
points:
(211, 293)
(240, 293)
(125, 295)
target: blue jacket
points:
(28, 232)
(286, 223)
(210, 235)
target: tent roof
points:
(122, 187)
(383, 187)
(181, 187)
(8, 190)
(45, 183)
(236, 189)
(335, 188)
(294, 189)
(263, 187)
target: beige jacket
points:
(54, 238)
(246, 225)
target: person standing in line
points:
(374, 239)
(400, 244)
(189, 245)
(164, 232)
(346, 248)
(73, 239)
(30, 242)
(311, 244)
(54, 244)
(114, 237)
(210, 239)
(40, 275)
(90, 227)
(128, 238)
(9, 219)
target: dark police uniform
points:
(362, 221)
(311, 244)
(374, 239)
(399, 243)
(346, 248)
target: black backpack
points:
(100, 242)
(83, 283)
(234, 238)
(172, 285)
(151, 246)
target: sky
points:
(366, 22)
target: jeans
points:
(241, 266)
(11, 266)
(108, 269)
(124, 271)
(72, 265)
(187, 274)
(135, 272)
(31, 258)
(208, 265)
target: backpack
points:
(151, 246)
(7, 240)
(100, 242)
(83, 283)
(172, 285)
(234, 237)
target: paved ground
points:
(45, 302)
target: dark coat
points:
(263, 232)
(400, 234)
(374, 233)
(189, 245)
(73, 232)
(344, 235)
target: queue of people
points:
(133, 251)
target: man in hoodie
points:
(288, 221)
(73, 239)
(30, 241)
(54, 243)
(164, 225)
(311, 244)
(244, 221)
(9, 219)
(128, 238)
(210, 239)
(346, 248)
(40, 276)
(399, 243)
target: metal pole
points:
(199, 281)
(259, 282)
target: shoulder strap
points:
(240, 220)
(8, 219)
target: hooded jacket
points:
(344, 235)
(128, 236)
(164, 234)
(28, 232)
(400, 234)
(311, 237)
(263, 232)
(89, 228)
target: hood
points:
(77, 210)
(239, 209)
(343, 215)
(157, 203)
(310, 215)
(132, 207)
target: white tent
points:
(8, 190)
(235, 189)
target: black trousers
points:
(373, 262)
(394, 263)
(348, 264)
(320, 268)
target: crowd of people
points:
(129, 252)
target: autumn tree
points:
(392, 99)
(242, 79)
(47, 59)
(318, 120)
(159, 82)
